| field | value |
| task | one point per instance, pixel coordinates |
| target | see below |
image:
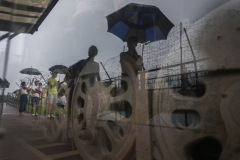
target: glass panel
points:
(114, 79)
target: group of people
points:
(36, 91)
(84, 68)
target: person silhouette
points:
(85, 68)
(131, 57)
(135, 62)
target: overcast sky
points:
(74, 25)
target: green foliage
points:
(55, 113)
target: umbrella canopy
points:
(4, 83)
(145, 22)
(30, 71)
(59, 69)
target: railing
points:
(14, 100)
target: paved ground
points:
(24, 138)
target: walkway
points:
(25, 140)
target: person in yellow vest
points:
(52, 85)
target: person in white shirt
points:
(61, 103)
(24, 97)
(36, 91)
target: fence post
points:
(41, 103)
(27, 104)
(32, 105)
(29, 101)
(19, 96)
(194, 57)
(181, 47)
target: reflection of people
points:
(90, 67)
(135, 61)
(52, 93)
(91, 71)
(86, 68)
(61, 103)
(24, 97)
(131, 57)
(36, 90)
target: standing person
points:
(85, 68)
(24, 97)
(91, 71)
(131, 57)
(36, 90)
(52, 93)
(90, 67)
(135, 62)
(40, 88)
(61, 103)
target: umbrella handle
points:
(32, 81)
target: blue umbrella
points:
(145, 22)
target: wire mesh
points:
(165, 62)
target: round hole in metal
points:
(80, 118)
(204, 148)
(84, 88)
(183, 119)
(80, 102)
(123, 108)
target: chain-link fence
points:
(166, 60)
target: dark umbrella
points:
(59, 69)
(145, 22)
(30, 71)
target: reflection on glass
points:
(111, 79)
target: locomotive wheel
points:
(98, 139)
(50, 128)
(210, 123)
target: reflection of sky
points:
(72, 27)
